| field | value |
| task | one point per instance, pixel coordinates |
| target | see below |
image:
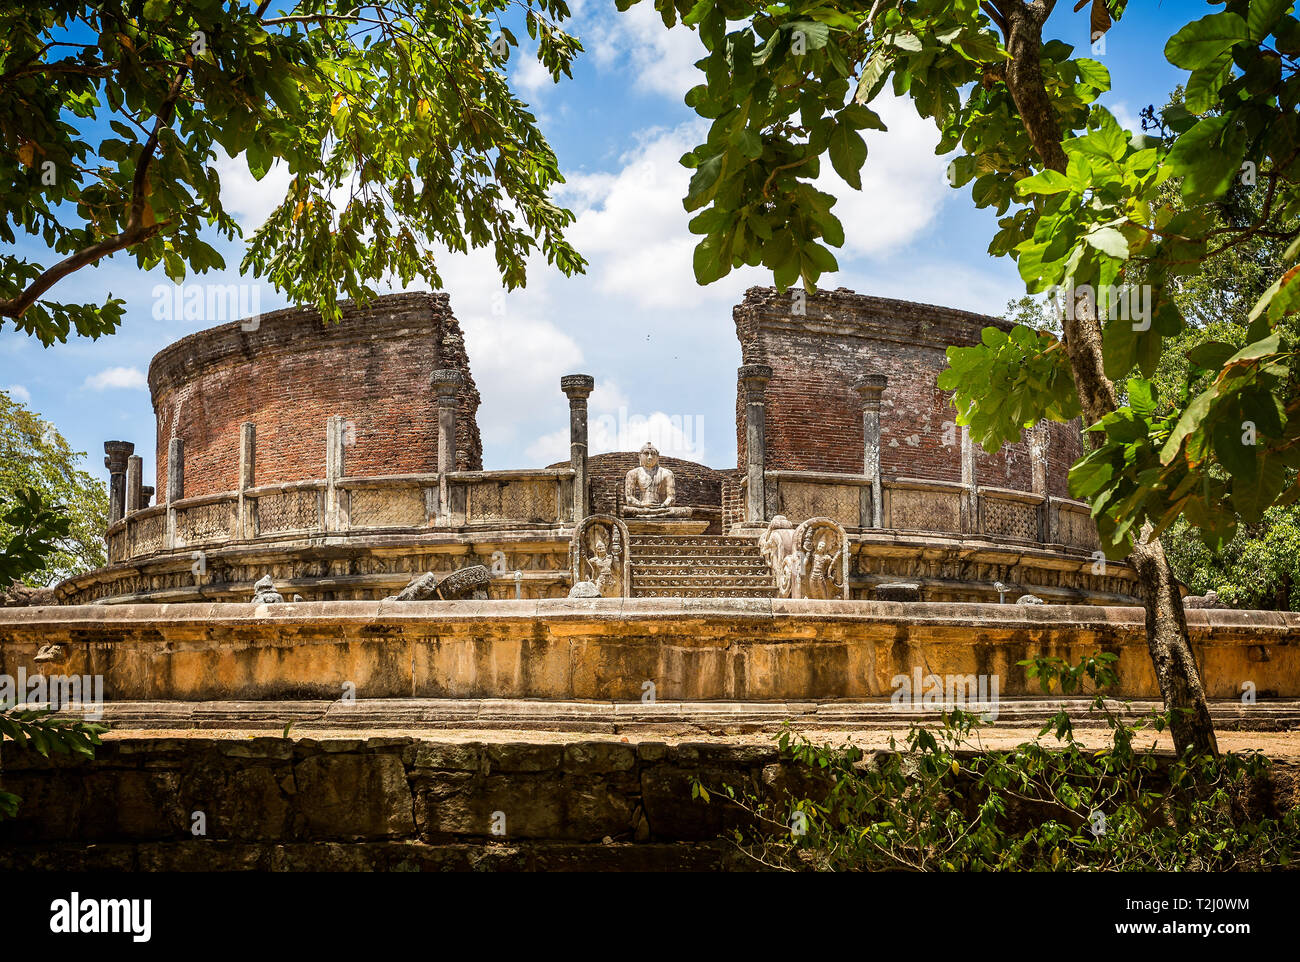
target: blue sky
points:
(663, 350)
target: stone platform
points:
(684, 649)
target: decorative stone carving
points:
(822, 550)
(649, 490)
(1028, 599)
(471, 582)
(264, 592)
(20, 595)
(899, 591)
(51, 654)
(598, 556)
(420, 588)
(777, 547)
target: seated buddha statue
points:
(650, 491)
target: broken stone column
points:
(754, 379)
(116, 455)
(971, 497)
(870, 389)
(578, 387)
(247, 469)
(146, 495)
(175, 485)
(446, 384)
(134, 470)
(175, 470)
(335, 438)
(1038, 457)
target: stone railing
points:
(349, 506)
(931, 507)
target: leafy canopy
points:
(1083, 209)
(35, 457)
(396, 122)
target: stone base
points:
(666, 526)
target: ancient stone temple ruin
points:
(344, 461)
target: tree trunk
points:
(1166, 624)
(1171, 650)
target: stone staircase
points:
(698, 566)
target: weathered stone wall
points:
(292, 373)
(693, 649)
(380, 803)
(814, 417)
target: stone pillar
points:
(971, 500)
(754, 378)
(175, 485)
(335, 435)
(146, 495)
(1038, 457)
(578, 387)
(1038, 444)
(175, 470)
(115, 458)
(134, 470)
(247, 470)
(446, 384)
(869, 389)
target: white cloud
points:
(611, 426)
(658, 60)
(529, 74)
(19, 393)
(247, 200)
(1124, 116)
(116, 377)
(903, 185)
(632, 227)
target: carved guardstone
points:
(810, 561)
(598, 558)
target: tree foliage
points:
(940, 801)
(395, 120)
(30, 529)
(1083, 206)
(35, 458)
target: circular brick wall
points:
(814, 417)
(292, 372)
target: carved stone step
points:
(692, 578)
(680, 591)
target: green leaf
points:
(1201, 41)
(848, 153)
(1109, 241)
(1263, 16)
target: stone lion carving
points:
(598, 559)
(264, 592)
(777, 547)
